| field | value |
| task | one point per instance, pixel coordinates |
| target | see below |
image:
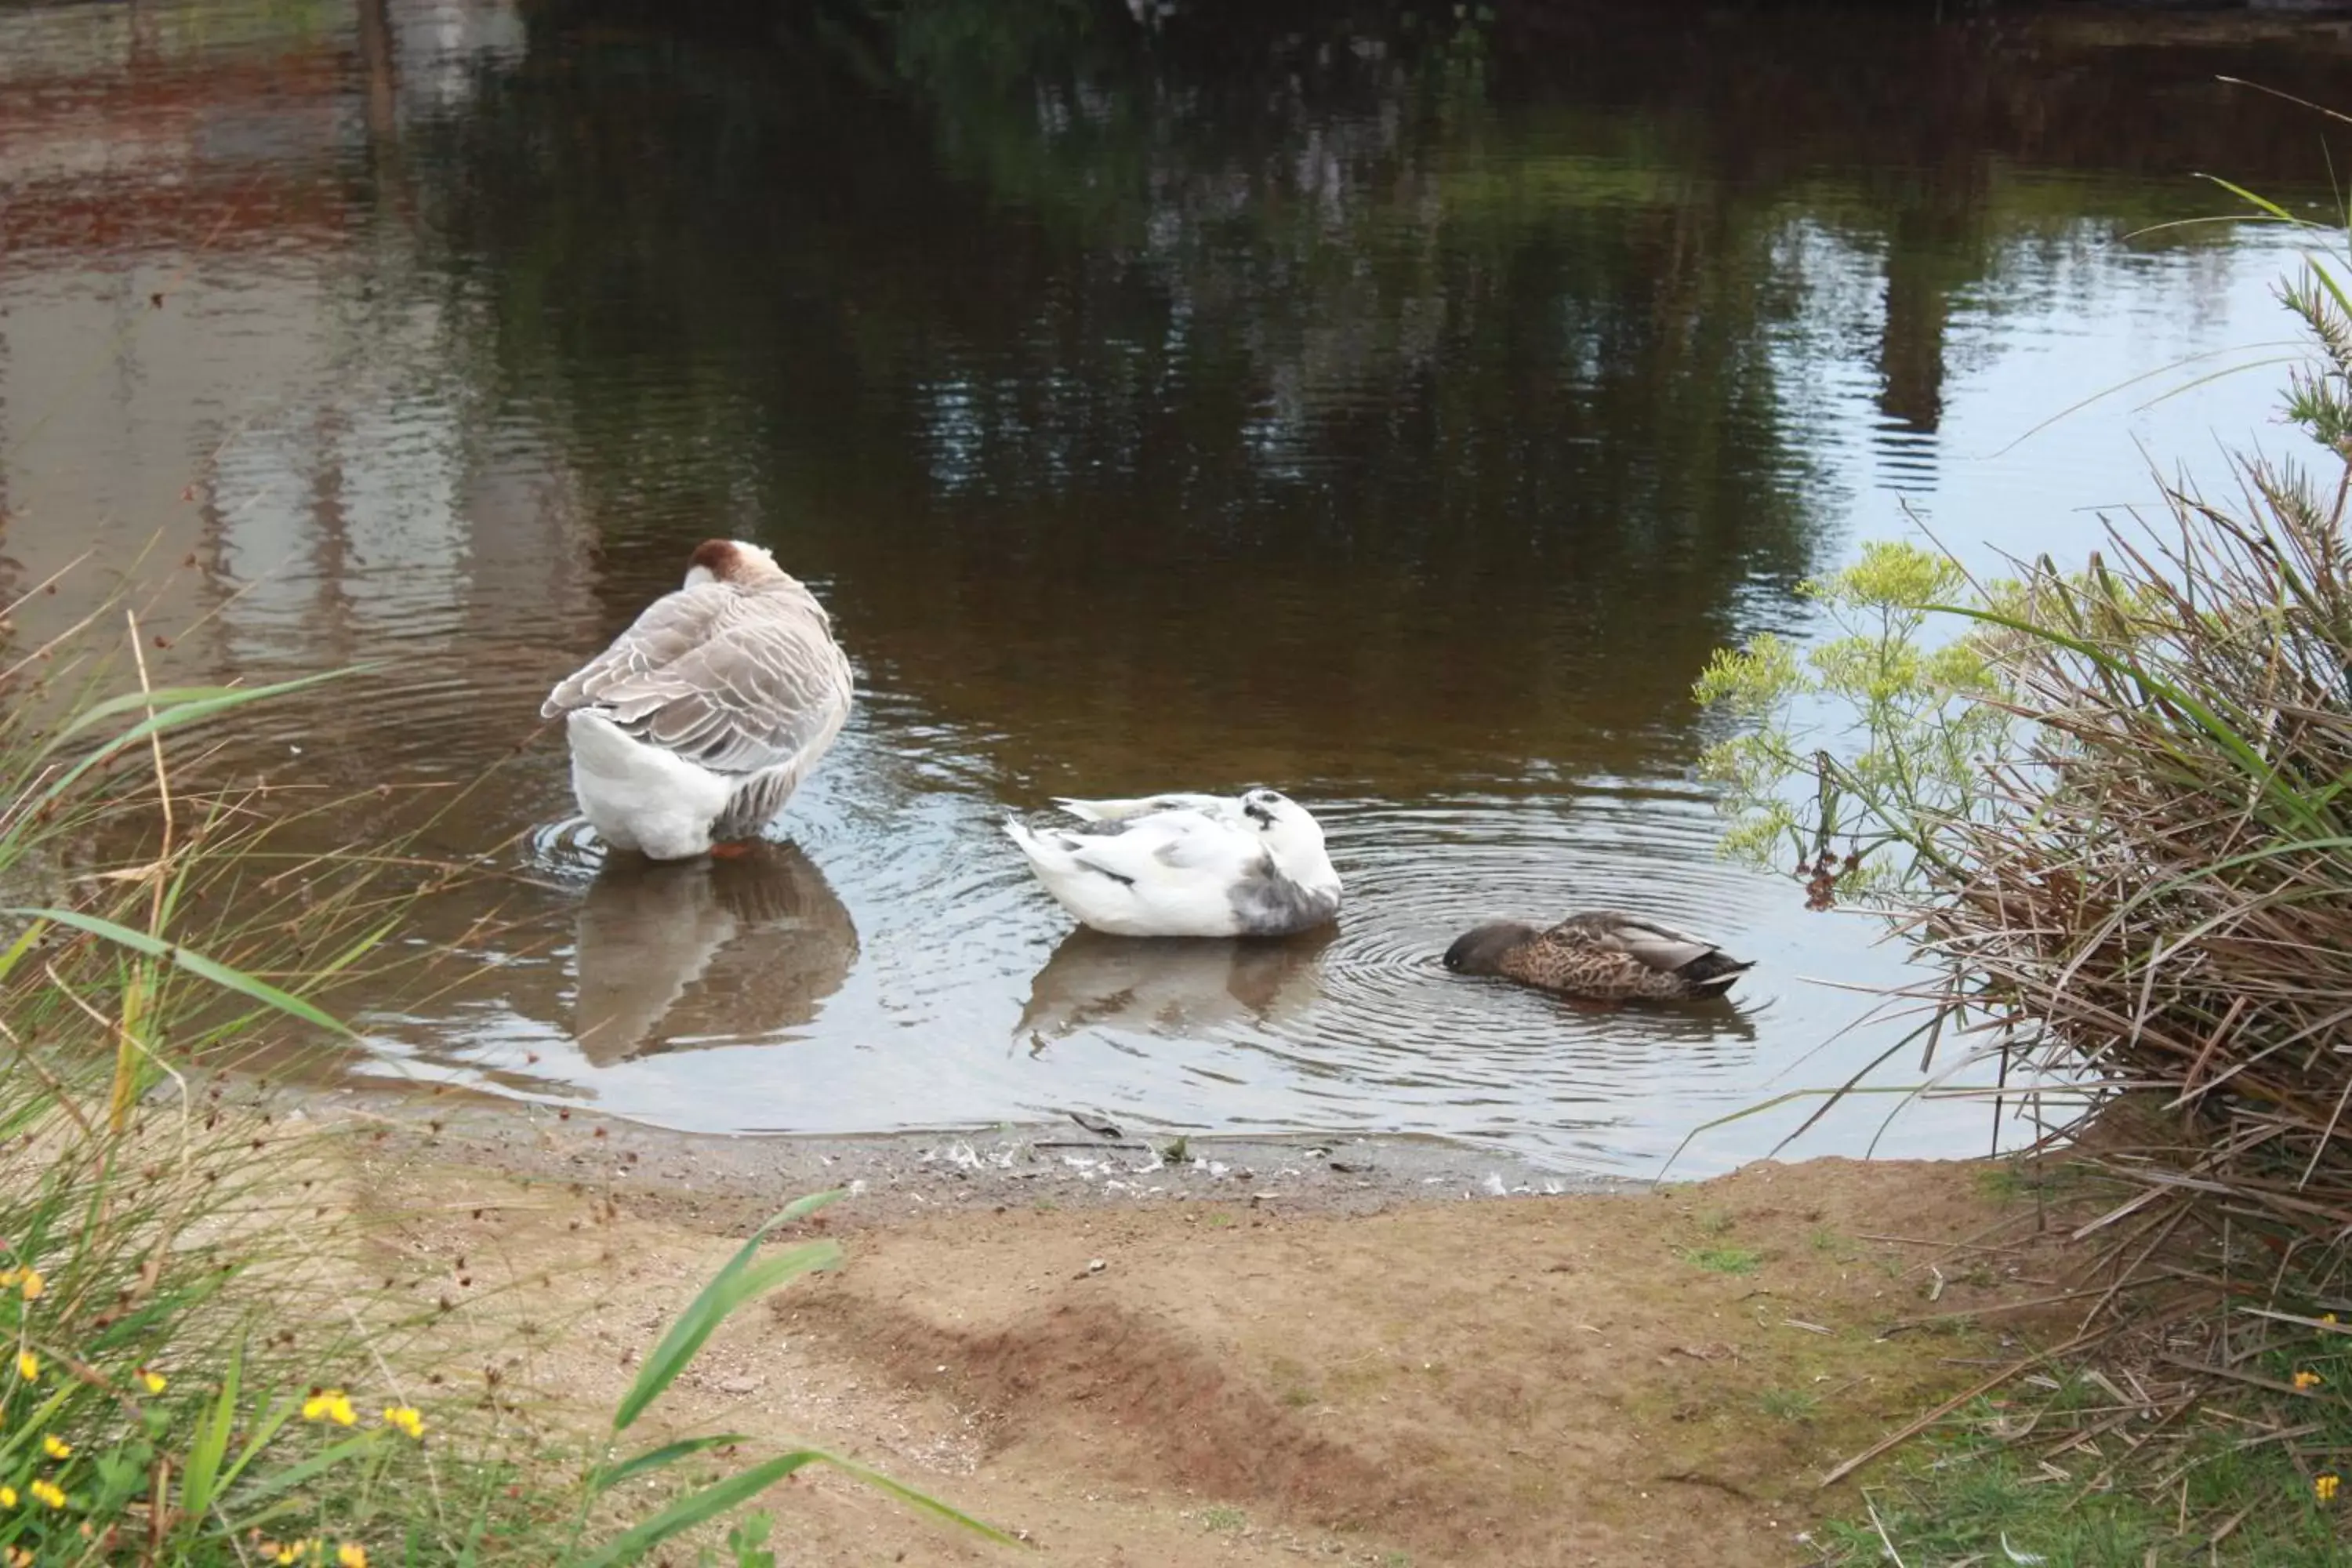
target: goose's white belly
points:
(641, 797)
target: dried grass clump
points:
(2161, 904)
(2115, 817)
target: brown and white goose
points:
(696, 726)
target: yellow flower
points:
(292, 1552)
(155, 1381)
(55, 1446)
(8, 1277)
(2306, 1381)
(351, 1555)
(2323, 1487)
(50, 1492)
(330, 1405)
(8, 1497)
(28, 1365)
(407, 1418)
(2327, 1317)
(32, 1285)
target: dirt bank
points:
(1354, 1355)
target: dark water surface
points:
(1392, 407)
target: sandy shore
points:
(1369, 1350)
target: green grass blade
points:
(367, 942)
(742, 1487)
(2214, 726)
(210, 1444)
(21, 1440)
(284, 1508)
(171, 717)
(1837, 1091)
(157, 699)
(477, 1525)
(2326, 277)
(261, 1438)
(741, 1278)
(701, 1507)
(23, 944)
(721, 1296)
(909, 1496)
(802, 1207)
(2261, 204)
(655, 1458)
(195, 963)
(279, 1481)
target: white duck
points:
(1187, 865)
(696, 726)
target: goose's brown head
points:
(1483, 950)
(729, 560)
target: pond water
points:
(1390, 406)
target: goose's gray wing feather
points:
(665, 630)
(737, 682)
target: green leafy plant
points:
(1926, 723)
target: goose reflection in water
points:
(1169, 985)
(706, 951)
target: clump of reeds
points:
(2162, 904)
(141, 1219)
(190, 1370)
(2138, 879)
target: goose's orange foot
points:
(729, 851)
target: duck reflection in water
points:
(715, 952)
(1708, 1021)
(1713, 1030)
(1169, 985)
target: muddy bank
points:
(740, 1181)
(1349, 1352)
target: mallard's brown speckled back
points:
(1606, 956)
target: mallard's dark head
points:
(1482, 951)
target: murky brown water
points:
(1395, 412)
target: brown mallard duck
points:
(1600, 956)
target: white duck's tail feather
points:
(1141, 806)
(1041, 854)
(1098, 898)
